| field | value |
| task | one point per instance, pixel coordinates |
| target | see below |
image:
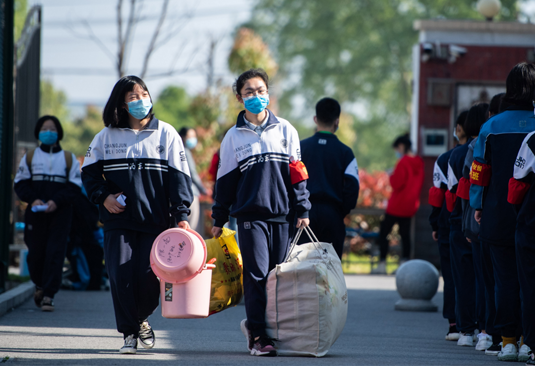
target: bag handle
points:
(313, 239)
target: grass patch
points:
(363, 264)
(17, 278)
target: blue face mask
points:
(191, 143)
(139, 108)
(399, 155)
(256, 104)
(48, 137)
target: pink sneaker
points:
(264, 346)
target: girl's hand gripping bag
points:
(227, 279)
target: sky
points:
(86, 72)
(75, 63)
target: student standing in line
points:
(465, 251)
(334, 187)
(406, 181)
(439, 220)
(262, 177)
(136, 171)
(489, 338)
(48, 179)
(495, 154)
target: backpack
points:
(68, 160)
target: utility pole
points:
(6, 136)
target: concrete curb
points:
(16, 296)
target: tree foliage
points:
(249, 51)
(357, 51)
(20, 9)
(53, 102)
(172, 106)
(79, 134)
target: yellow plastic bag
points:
(227, 278)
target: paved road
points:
(82, 332)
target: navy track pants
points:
(135, 290)
(448, 309)
(462, 265)
(327, 223)
(46, 236)
(263, 245)
(480, 285)
(504, 262)
(490, 294)
(525, 259)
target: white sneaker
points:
(466, 340)
(380, 269)
(130, 345)
(523, 353)
(484, 342)
(508, 353)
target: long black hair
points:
(42, 120)
(115, 115)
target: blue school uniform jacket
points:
(333, 171)
(259, 177)
(150, 168)
(455, 173)
(440, 216)
(495, 154)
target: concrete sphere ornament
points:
(417, 283)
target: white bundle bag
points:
(306, 299)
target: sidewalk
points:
(82, 332)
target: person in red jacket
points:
(406, 181)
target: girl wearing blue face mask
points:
(47, 179)
(136, 171)
(189, 138)
(261, 181)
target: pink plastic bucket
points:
(178, 255)
(187, 300)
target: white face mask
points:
(455, 134)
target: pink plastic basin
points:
(178, 255)
(189, 299)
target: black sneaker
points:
(38, 296)
(146, 334)
(47, 304)
(264, 346)
(130, 345)
(453, 333)
(531, 359)
(494, 349)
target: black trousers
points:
(263, 245)
(327, 223)
(448, 309)
(135, 290)
(462, 265)
(404, 231)
(46, 236)
(508, 316)
(525, 259)
(481, 311)
(490, 294)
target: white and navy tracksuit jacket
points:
(257, 174)
(47, 177)
(150, 168)
(46, 234)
